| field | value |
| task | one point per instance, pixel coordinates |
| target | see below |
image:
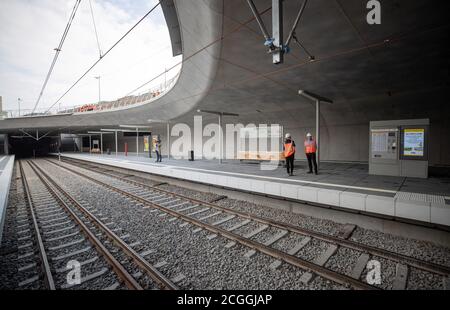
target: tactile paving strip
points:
(437, 199)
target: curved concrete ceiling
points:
(366, 76)
(395, 70)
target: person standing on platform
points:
(158, 150)
(310, 151)
(289, 154)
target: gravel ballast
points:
(203, 262)
(216, 266)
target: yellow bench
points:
(260, 156)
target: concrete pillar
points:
(220, 139)
(318, 133)
(116, 141)
(137, 142)
(168, 140)
(6, 144)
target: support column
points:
(168, 141)
(137, 142)
(220, 139)
(116, 142)
(90, 144)
(101, 143)
(6, 144)
(318, 132)
(277, 30)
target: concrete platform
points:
(6, 170)
(344, 186)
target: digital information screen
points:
(413, 142)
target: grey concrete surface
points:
(385, 224)
(342, 174)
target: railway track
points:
(199, 212)
(64, 230)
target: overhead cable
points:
(103, 56)
(95, 30)
(57, 51)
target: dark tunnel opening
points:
(28, 147)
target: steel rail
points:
(48, 278)
(397, 257)
(290, 259)
(158, 277)
(126, 277)
(414, 262)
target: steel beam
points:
(277, 31)
(297, 20)
(258, 19)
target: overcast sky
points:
(31, 29)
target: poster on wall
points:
(413, 142)
(146, 143)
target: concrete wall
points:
(338, 143)
(5, 182)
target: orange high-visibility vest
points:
(310, 146)
(289, 149)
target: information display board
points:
(399, 148)
(413, 142)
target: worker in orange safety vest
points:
(310, 151)
(289, 154)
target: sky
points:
(31, 29)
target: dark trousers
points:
(312, 160)
(290, 164)
(158, 156)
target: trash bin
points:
(191, 155)
(108, 151)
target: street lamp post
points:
(136, 128)
(115, 137)
(98, 78)
(101, 133)
(18, 101)
(220, 114)
(317, 99)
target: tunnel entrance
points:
(28, 147)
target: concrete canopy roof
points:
(369, 71)
(398, 69)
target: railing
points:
(128, 101)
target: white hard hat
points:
(288, 135)
(309, 134)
